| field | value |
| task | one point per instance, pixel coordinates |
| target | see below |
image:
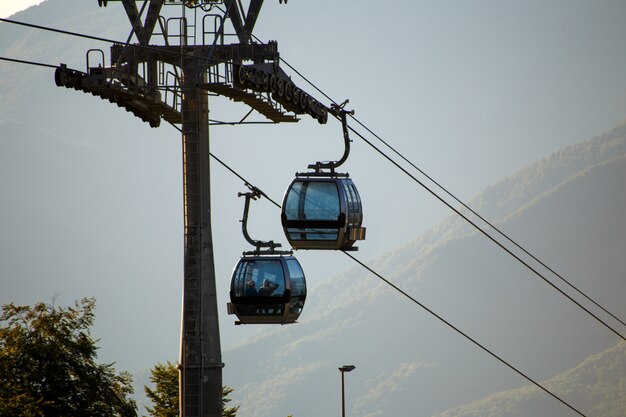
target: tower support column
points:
(200, 356)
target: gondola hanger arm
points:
(338, 110)
(255, 194)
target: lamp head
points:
(347, 368)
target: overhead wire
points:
(465, 335)
(458, 200)
(60, 31)
(490, 224)
(491, 238)
(384, 155)
(101, 39)
(415, 301)
(211, 121)
(232, 171)
(456, 329)
(475, 225)
(21, 61)
(127, 43)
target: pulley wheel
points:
(256, 77)
(304, 101)
(243, 75)
(288, 91)
(324, 117)
(281, 88)
(266, 81)
(313, 107)
(273, 84)
(59, 80)
(296, 96)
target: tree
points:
(48, 365)
(165, 394)
(230, 411)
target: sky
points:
(471, 92)
(9, 7)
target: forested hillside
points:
(597, 386)
(567, 209)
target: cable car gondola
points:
(267, 290)
(267, 286)
(322, 209)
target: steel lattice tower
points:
(172, 81)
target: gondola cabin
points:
(322, 212)
(267, 289)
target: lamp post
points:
(343, 369)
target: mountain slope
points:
(597, 387)
(568, 209)
(84, 223)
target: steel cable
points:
(430, 311)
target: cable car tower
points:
(171, 80)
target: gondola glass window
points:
(259, 278)
(313, 202)
(298, 286)
(267, 289)
(322, 213)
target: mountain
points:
(568, 209)
(596, 386)
(93, 201)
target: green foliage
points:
(228, 411)
(48, 368)
(165, 394)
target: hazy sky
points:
(470, 91)
(8, 7)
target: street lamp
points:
(343, 369)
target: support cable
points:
(427, 309)
(99, 39)
(403, 170)
(444, 189)
(465, 335)
(232, 171)
(20, 61)
(488, 236)
(398, 166)
(506, 236)
(442, 200)
(440, 318)
(61, 31)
